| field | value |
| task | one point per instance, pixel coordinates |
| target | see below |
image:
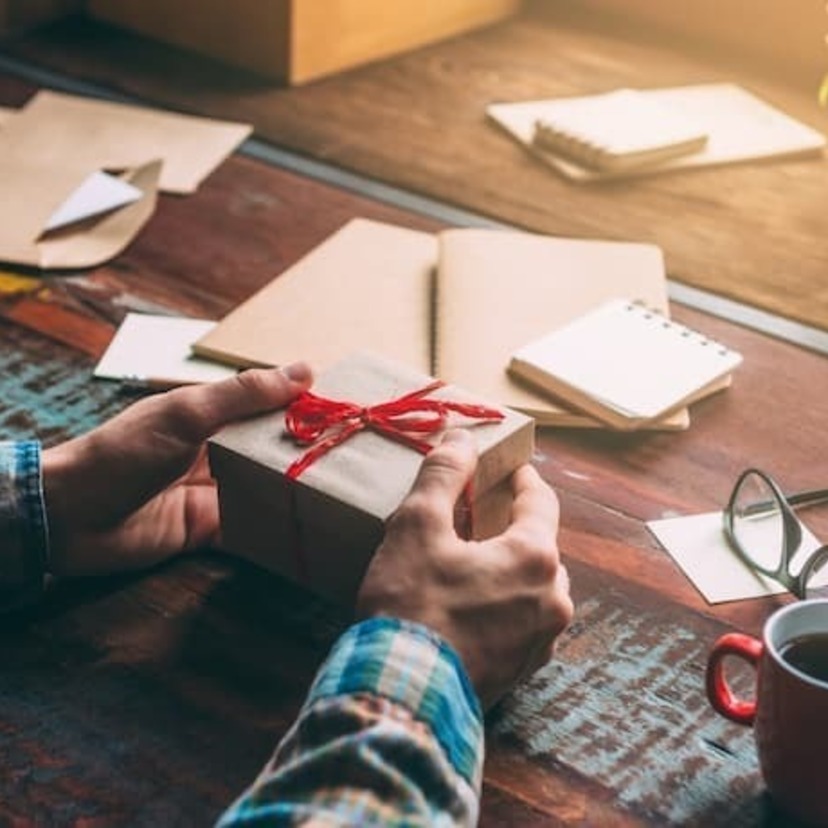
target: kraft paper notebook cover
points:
(366, 287)
(740, 127)
(497, 290)
(625, 364)
(371, 286)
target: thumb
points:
(203, 409)
(448, 468)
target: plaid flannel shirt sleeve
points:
(391, 734)
(24, 541)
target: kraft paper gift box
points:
(322, 528)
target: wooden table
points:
(155, 699)
(755, 233)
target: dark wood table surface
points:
(154, 699)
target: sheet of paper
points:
(99, 193)
(155, 350)
(698, 545)
(71, 131)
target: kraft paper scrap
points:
(29, 197)
(56, 130)
(52, 148)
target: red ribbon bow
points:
(324, 424)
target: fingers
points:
(445, 472)
(535, 510)
(203, 409)
(556, 614)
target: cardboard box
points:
(19, 15)
(298, 40)
(322, 528)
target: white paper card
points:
(156, 350)
(698, 545)
(98, 194)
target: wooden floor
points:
(755, 233)
(155, 699)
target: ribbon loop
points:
(322, 423)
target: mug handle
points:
(718, 690)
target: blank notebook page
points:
(628, 358)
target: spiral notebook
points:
(741, 127)
(625, 364)
(616, 130)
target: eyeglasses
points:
(762, 528)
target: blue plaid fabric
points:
(391, 734)
(24, 541)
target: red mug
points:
(790, 712)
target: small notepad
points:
(624, 364)
(740, 126)
(616, 130)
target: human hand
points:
(501, 602)
(137, 489)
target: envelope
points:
(31, 193)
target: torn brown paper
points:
(65, 130)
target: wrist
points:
(24, 550)
(58, 492)
(412, 666)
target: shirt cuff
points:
(24, 539)
(412, 666)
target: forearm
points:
(23, 530)
(391, 734)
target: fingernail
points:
(457, 435)
(297, 371)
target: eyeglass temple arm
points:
(797, 499)
(808, 498)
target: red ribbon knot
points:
(323, 423)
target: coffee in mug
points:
(790, 711)
(808, 654)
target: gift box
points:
(316, 512)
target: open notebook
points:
(456, 304)
(739, 127)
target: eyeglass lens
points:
(758, 522)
